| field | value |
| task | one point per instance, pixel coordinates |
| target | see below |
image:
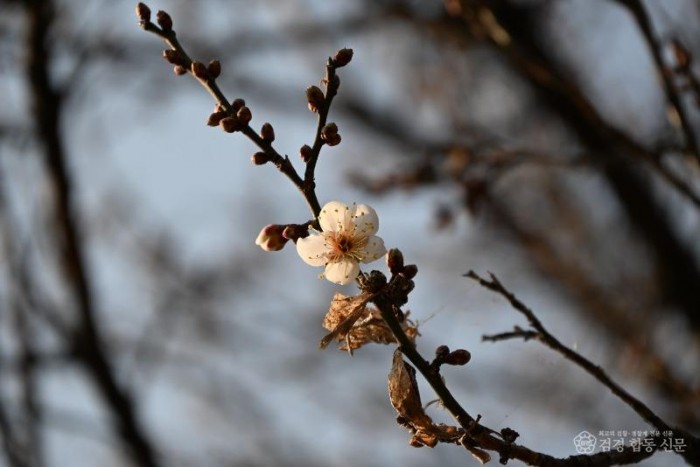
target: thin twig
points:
(598, 373)
(283, 163)
(636, 7)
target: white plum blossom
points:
(347, 238)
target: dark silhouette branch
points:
(692, 454)
(89, 348)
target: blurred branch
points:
(638, 10)
(692, 455)
(87, 340)
(510, 28)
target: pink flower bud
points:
(270, 238)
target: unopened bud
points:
(244, 115)
(394, 260)
(342, 58)
(199, 70)
(237, 104)
(164, 21)
(260, 158)
(333, 140)
(214, 69)
(179, 70)
(215, 118)
(315, 97)
(270, 238)
(441, 352)
(458, 357)
(329, 134)
(172, 56)
(230, 124)
(305, 153)
(267, 133)
(410, 271)
(143, 12)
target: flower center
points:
(343, 245)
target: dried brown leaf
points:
(404, 394)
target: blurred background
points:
(553, 143)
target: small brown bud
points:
(441, 352)
(458, 357)
(260, 158)
(315, 97)
(333, 140)
(410, 271)
(342, 57)
(305, 153)
(237, 104)
(230, 124)
(199, 70)
(214, 69)
(164, 21)
(143, 12)
(267, 133)
(330, 135)
(179, 70)
(215, 118)
(172, 56)
(394, 260)
(244, 115)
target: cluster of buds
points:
(174, 57)
(394, 261)
(235, 120)
(329, 134)
(205, 72)
(443, 356)
(162, 18)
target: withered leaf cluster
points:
(352, 320)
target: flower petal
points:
(365, 220)
(342, 272)
(313, 249)
(335, 216)
(374, 249)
